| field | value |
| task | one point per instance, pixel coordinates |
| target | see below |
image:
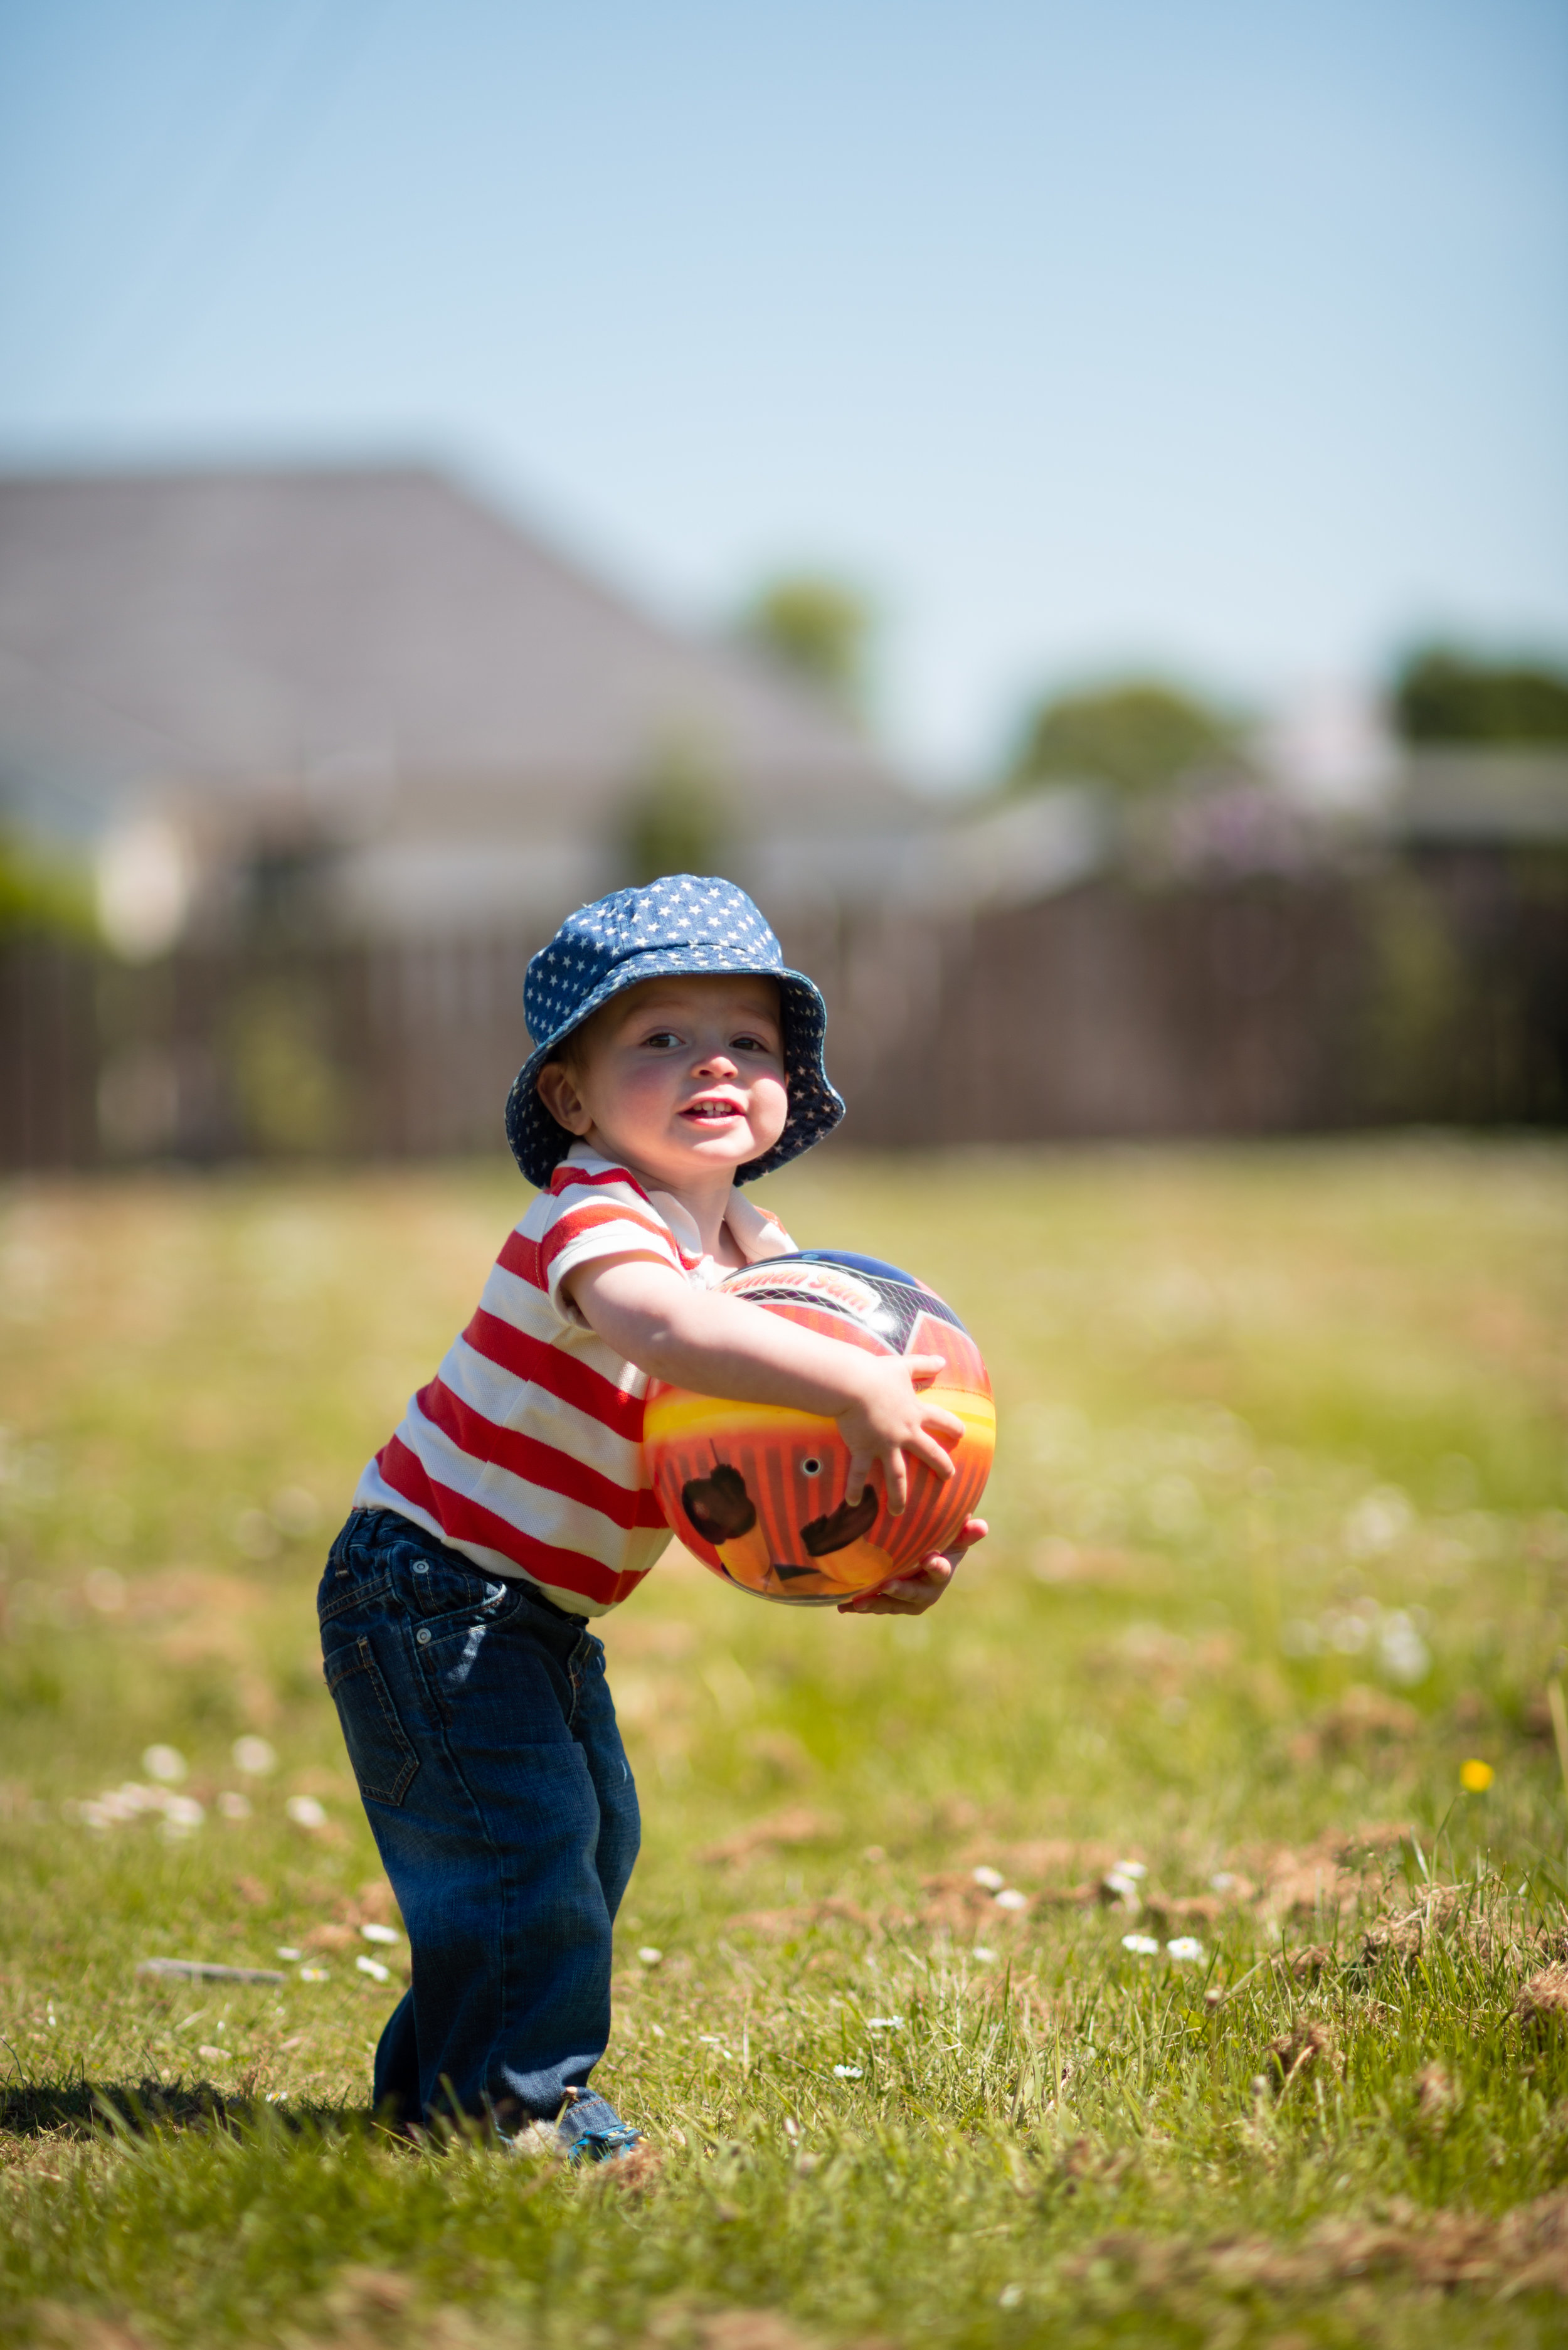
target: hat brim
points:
(539, 1143)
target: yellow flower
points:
(1476, 1775)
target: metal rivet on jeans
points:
(421, 1566)
(422, 1637)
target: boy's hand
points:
(888, 1418)
(913, 1592)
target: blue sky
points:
(1228, 336)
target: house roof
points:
(223, 636)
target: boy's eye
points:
(750, 1044)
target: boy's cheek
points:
(640, 1104)
(640, 1087)
(769, 1110)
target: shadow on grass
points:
(83, 2109)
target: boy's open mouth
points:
(707, 1113)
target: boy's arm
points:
(722, 1345)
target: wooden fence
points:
(1436, 994)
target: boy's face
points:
(678, 1079)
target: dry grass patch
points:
(1525, 2252)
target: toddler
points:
(676, 1058)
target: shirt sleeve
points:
(593, 1222)
(758, 1231)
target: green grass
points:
(1281, 1540)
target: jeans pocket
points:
(434, 1586)
(379, 1746)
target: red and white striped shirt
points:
(525, 1452)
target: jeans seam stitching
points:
(410, 1761)
(384, 1699)
(335, 1606)
(503, 1873)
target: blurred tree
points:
(818, 628)
(290, 1087)
(38, 893)
(673, 821)
(1442, 695)
(1137, 735)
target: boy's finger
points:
(942, 1422)
(895, 1481)
(972, 1531)
(925, 1367)
(931, 1453)
(860, 1467)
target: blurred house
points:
(367, 700)
(344, 745)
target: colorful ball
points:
(758, 1491)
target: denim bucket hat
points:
(685, 925)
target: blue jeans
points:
(481, 1730)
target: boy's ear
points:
(557, 1088)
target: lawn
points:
(1155, 1944)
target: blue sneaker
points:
(606, 2145)
(590, 2130)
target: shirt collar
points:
(755, 1233)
